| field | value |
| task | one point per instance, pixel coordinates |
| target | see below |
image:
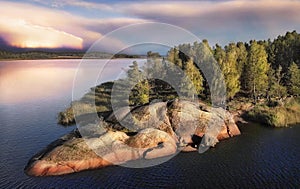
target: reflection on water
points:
(19, 83)
(31, 80)
(259, 158)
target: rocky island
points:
(260, 87)
(183, 125)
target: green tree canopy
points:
(194, 79)
(227, 60)
(294, 79)
(141, 90)
(256, 70)
(276, 89)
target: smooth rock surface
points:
(161, 129)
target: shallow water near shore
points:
(32, 93)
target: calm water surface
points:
(32, 92)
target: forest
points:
(262, 80)
(263, 69)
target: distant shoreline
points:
(44, 55)
(71, 58)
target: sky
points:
(77, 24)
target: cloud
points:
(26, 25)
(218, 21)
(75, 3)
(190, 9)
(222, 20)
(34, 36)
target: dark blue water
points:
(260, 158)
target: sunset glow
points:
(35, 36)
(78, 24)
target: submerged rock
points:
(156, 130)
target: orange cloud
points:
(26, 25)
(215, 20)
(20, 33)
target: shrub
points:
(284, 114)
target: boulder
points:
(154, 115)
(111, 148)
(71, 156)
(159, 142)
(188, 119)
(155, 130)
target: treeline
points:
(267, 69)
(32, 55)
(257, 69)
(38, 55)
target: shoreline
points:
(70, 153)
(285, 114)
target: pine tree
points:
(203, 56)
(140, 91)
(155, 69)
(143, 94)
(231, 74)
(134, 74)
(228, 64)
(294, 79)
(242, 54)
(256, 71)
(173, 57)
(220, 55)
(194, 79)
(276, 89)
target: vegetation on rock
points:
(276, 113)
(255, 71)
